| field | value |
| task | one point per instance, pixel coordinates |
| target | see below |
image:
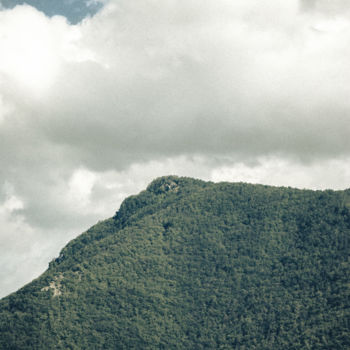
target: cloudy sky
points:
(97, 98)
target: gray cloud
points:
(328, 7)
(217, 87)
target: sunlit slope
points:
(188, 264)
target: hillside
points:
(188, 264)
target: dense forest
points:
(188, 264)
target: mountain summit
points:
(188, 264)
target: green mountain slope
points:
(189, 264)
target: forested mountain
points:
(188, 264)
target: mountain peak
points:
(164, 184)
(188, 264)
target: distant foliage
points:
(189, 264)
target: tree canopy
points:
(188, 264)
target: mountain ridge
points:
(193, 264)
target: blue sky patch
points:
(73, 10)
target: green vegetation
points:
(189, 264)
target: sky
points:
(97, 98)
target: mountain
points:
(188, 264)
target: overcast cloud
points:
(220, 90)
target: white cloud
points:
(28, 56)
(331, 174)
(226, 78)
(34, 47)
(80, 186)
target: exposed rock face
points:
(55, 286)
